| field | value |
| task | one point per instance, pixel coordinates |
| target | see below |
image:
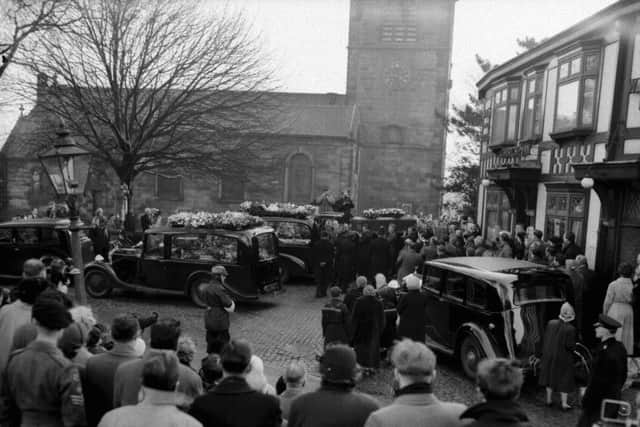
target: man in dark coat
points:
(322, 252)
(412, 312)
(364, 253)
(232, 402)
(346, 258)
(570, 250)
(380, 260)
(499, 380)
(368, 324)
(99, 375)
(336, 319)
(216, 317)
(591, 301)
(335, 403)
(609, 371)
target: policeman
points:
(609, 371)
(219, 305)
(41, 387)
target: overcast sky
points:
(307, 39)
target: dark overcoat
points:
(380, 256)
(336, 321)
(556, 364)
(346, 258)
(390, 303)
(364, 254)
(412, 310)
(368, 324)
(322, 252)
(609, 374)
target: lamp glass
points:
(586, 182)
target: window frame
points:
(528, 133)
(580, 76)
(567, 215)
(507, 102)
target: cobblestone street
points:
(287, 326)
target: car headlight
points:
(99, 258)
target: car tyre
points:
(470, 354)
(98, 284)
(196, 287)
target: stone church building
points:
(383, 140)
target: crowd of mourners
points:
(62, 367)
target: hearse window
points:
(155, 246)
(537, 289)
(292, 231)
(5, 235)
(204, 247)
(27, 236)
(455, 285)
(477, 293)
(266, 246)
(433, 278)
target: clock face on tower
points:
(396, 76)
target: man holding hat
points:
(609, 371)
(414, 371)
(219, 305)
(41, 386)
(335, 403)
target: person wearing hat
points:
(335, 403)
(556, 365)
(609, 371)
(219, 305)
(159, 379)
(412, 311)
(499, 381)
(336, 319)
(233, 403)
(41, 386)
(322, 252)
(414, 372)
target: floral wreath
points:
(228, 220)
(288, 210)
(384, 213)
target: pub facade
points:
(561, 138)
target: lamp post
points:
(67, 167)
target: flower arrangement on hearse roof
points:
(288, 210)
(228, 220)
(384, 213)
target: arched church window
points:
(299, 179)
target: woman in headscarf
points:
(412, 310)
(556, 366)
(617, 305)
(368, 324)
(256, 377)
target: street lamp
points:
(67, 167)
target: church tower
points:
(398, 75)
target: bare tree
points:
(22, 19)
(157, 85)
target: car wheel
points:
(285, 273)
(98, 284)
(196, 288)
(470, 354)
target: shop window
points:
(532, 115)
(506, 107)
(498, 213)
(169, 187)
(566, 212)
(576, 98)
